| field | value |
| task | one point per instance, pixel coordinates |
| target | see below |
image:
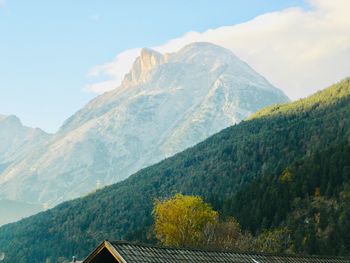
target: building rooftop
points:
(124, 252)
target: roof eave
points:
(105, 245)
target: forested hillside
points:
(309, 200)
(287, 166)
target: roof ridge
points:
(123, 242)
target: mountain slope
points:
(11, 211)
(310, 199)
(164, 105)
(216, 169)
(16, 140)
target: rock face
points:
(148, 60)
(165, 104)
(16, 140)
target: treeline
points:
(187, 221)
(303, 210)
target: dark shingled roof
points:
(135, 253)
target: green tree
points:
(182, 220)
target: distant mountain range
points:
(16, 143)
(11, 211)
(167, 103)
(286, 169)
(16, 140)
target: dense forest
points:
(287, 167)
(309, 200)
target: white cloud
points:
(114, 71)
(298, 50)
(102, 86)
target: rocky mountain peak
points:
(147, 61)
(150, 58)
(11, 120)
(165, 104)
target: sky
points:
(55, 56)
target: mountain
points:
(11, 211)
(16, 139)
(290, 142)
(165, 104)
(16, 142)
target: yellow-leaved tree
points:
(182, 220)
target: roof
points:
(125, 252)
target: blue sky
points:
(48, 47)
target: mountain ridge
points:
(16, 139)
